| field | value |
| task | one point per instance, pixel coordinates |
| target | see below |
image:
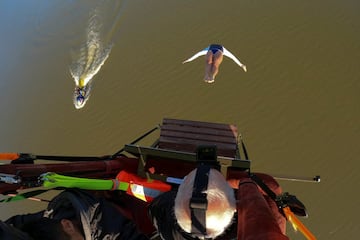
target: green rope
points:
(52, 180)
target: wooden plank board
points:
(197, 136)
(195, 142)
(185, 135)
(199, 130)
(167, 121)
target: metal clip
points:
(10, 178)
(45, 177)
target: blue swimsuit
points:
(215, 47)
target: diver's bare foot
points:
(209, 80)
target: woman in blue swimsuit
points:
(214, 56)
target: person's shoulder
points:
(225, 50)
(166, 200)
(19, 220)
(8, 232)
(161, 211)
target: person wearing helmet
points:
(214, 213)
(214, 57)
(175, 214)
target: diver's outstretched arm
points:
(201, 53)
(230, 55)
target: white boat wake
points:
(91, 58)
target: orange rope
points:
(9, 156)
(297, 224)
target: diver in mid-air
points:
(214, 56)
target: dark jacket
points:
(99, 218)
(162, 213)
(8, 232)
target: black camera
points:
(207, 155)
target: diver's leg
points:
(218, 58)
(208, 66)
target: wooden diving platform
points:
(174, 153)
